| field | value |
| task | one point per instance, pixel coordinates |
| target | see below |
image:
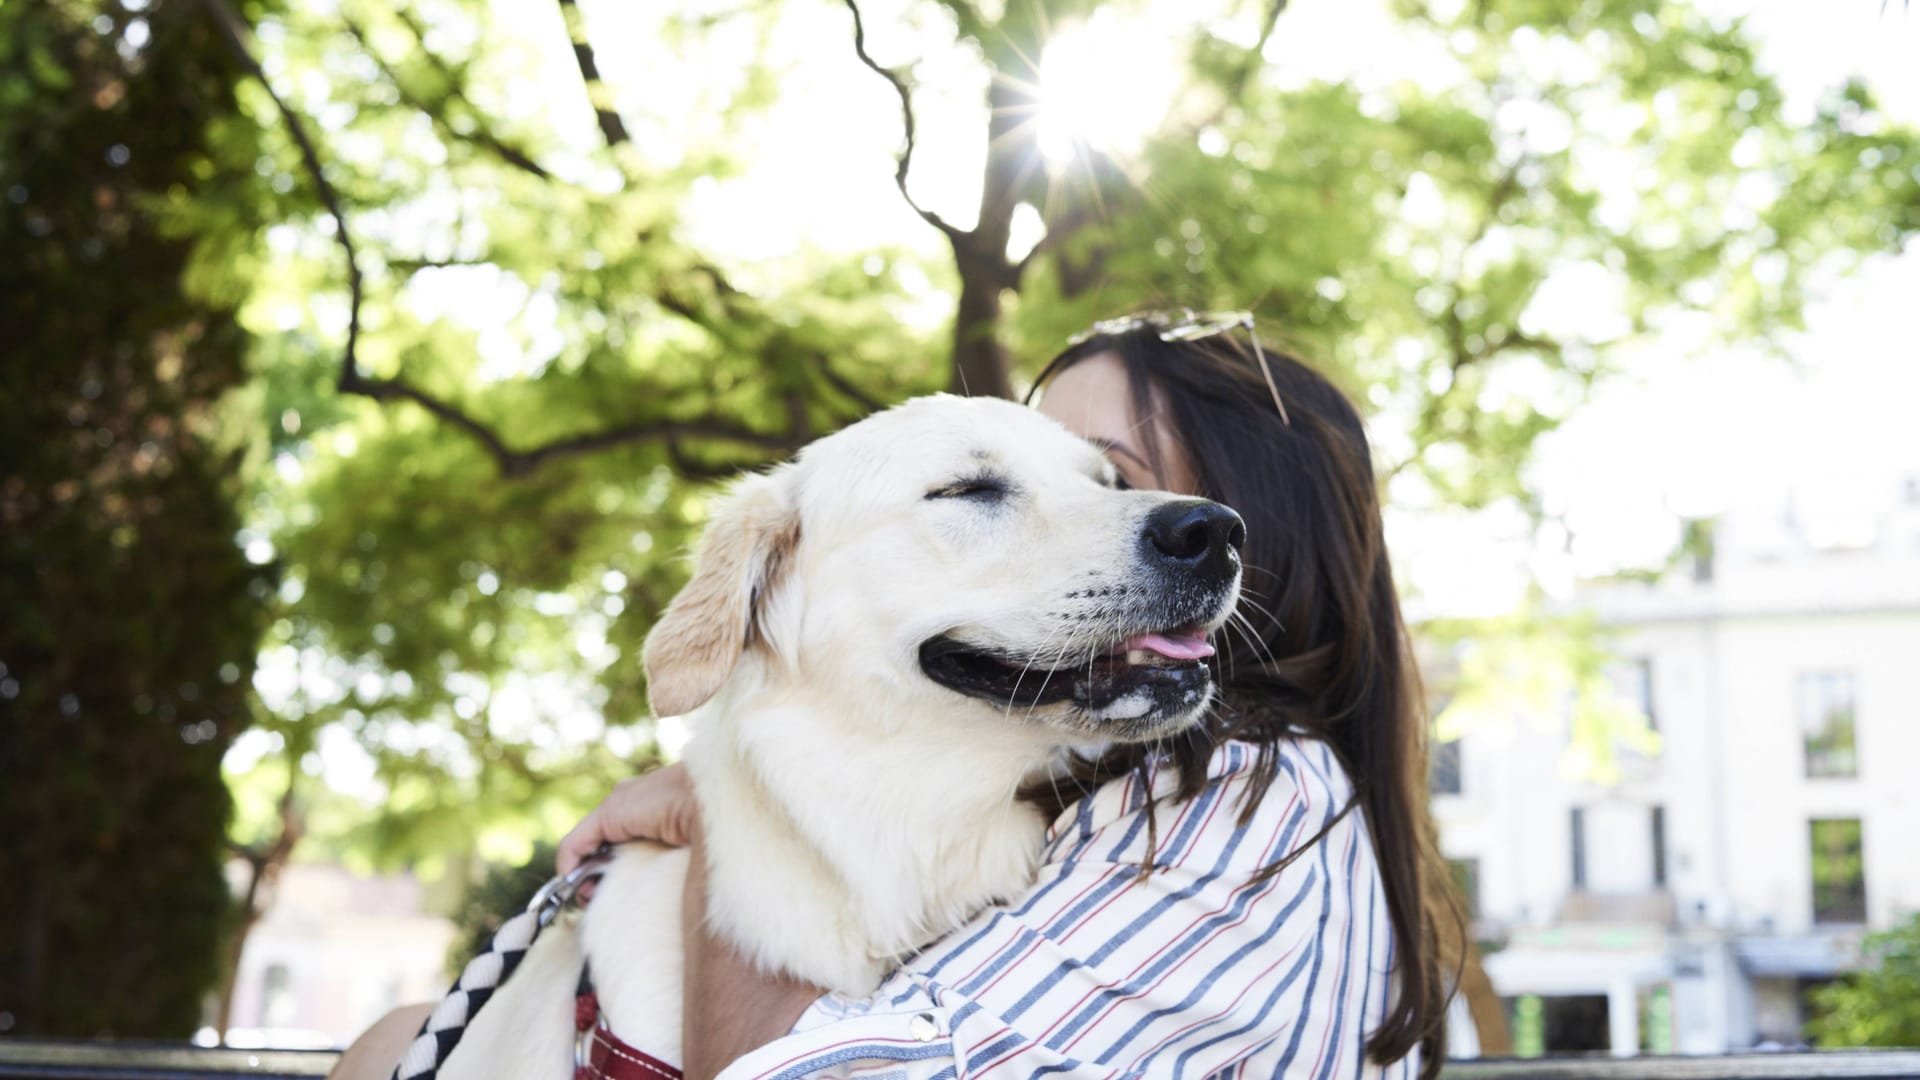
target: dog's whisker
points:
(1014, 694)
(1053, 779)
(1247, 600)
(1260, 652)
(1052, 667)
(1277, 624)
(1248, 623)
(1241, 623)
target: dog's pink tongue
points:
(1178, 645)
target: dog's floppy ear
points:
(743, 552)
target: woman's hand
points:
(657, 806)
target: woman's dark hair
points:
(1324, 653)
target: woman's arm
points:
(729, 1008)
(1094, 972)
(1205, 966)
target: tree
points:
(1468, 253)
(501, 892)
(1879, 1006)
(131, 613)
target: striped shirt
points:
(1198, 971)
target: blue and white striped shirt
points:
(1198, 971)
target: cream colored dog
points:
(882, 641)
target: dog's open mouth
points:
(1158, 673)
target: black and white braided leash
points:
(487, 971)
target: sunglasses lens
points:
(1195, 327)
(1184, 326)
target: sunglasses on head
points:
(1186, 325)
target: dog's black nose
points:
(1197, 533)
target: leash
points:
(597, 1053)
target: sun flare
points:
(1104, 83)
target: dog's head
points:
(965, 547)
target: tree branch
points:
(966, 19)
(845, 386)
(235, 32)
(1058, 233)
(694, 469)
(1275, 9)
(599, 95)
(655, 431)
(1242, 73)
(960, 238)
(515, 463)
(410, 265)
(352, 381)
(1234, 83)
(481, 136)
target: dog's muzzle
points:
(1142, 667)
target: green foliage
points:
(463, 587)
(1472, 250)
(502, 890)
(1467, 253)
(1879, 1006)
(131, 614)
(1533, 667)
(475, 628)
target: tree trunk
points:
(981, 364)
(263, 867)
(230, 975)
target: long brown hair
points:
(1324, 653)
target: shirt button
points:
(924, 1028)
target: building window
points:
(1559, 1024)
(1578, 819)
(277, 1004)
(1633, 680)
(1839, 871)
(1826, 702)
(1659, 824)
(1466, 878)
(1446, 768)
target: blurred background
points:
(365, 369)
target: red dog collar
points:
(600, 1055)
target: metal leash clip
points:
(559, 893)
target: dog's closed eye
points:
(980, 487)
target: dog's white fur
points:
(854, 810)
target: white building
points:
(1688, 906)
(332, 954)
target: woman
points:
(1276, 906)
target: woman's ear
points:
(743, 553)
